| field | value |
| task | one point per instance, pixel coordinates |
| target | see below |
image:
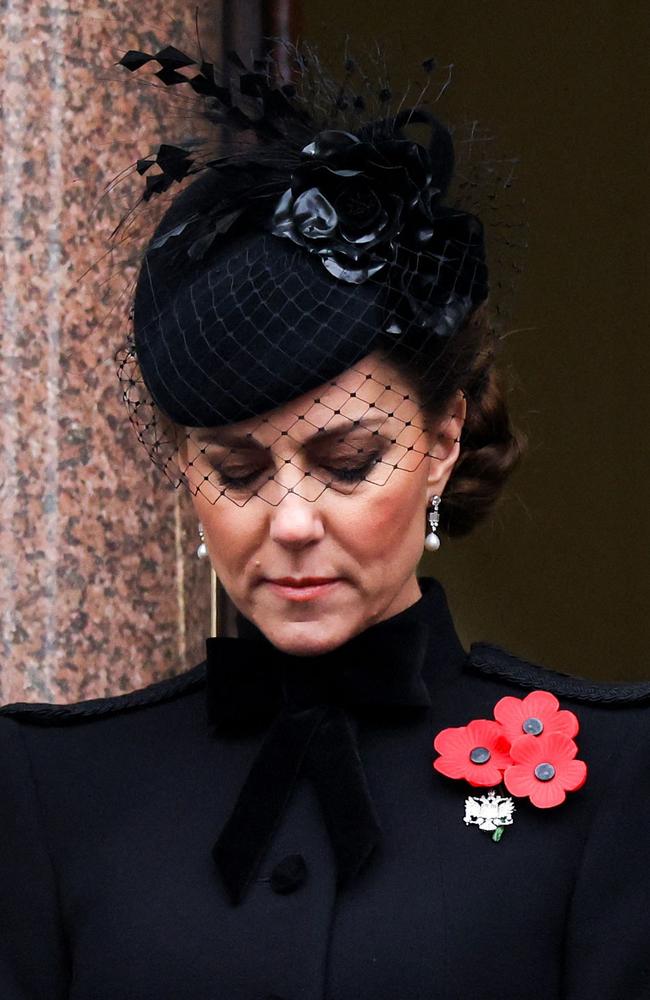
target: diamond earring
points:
(202, 550)
(432, 541)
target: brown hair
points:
(490, 447)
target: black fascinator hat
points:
(316, 231)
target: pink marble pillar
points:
(100, 589)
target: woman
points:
(341, 802)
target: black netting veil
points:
(301, 313)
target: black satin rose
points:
(350, 199)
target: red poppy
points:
(539, 712)
(477, 752)
(544, 769)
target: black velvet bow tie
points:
(306, 700)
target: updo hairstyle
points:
(490, 447)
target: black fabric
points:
(289, 874)
(109, 891)
(229, 321)
(260, 321)
(257, 325)
(491, 659)
(248, 679)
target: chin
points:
(306, 638)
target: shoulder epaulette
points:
(493, 660)
(80, 711)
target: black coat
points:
(109, 811)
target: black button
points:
(289, 874)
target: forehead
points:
(371, 396)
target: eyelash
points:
(346, 475)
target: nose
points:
(296, 522)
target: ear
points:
(444, 447)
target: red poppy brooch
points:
(528, 746)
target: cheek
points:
(232, 534)
(390, 520)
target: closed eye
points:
(345, 473)
(353, 473)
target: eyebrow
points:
(227, 437)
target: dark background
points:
(560, 574)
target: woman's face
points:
(335, 545)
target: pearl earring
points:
(202, 550)
(432, 542)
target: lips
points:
(304, 588)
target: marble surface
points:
(100, 589)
